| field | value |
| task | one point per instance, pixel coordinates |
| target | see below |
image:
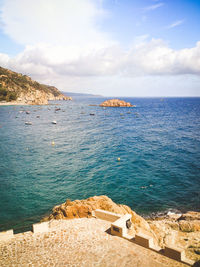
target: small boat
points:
(92, 114)
(27, 112)
(54, 122)
(28, 123)
(57, 109)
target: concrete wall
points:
(144, 240)
(41, 227)
(119, 227)
(6, 235)
(106, 215)
(174, 253)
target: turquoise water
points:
(158, 143)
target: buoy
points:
(53, 143)
(118, 159)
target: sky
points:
(130, 48)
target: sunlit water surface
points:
(158, 143)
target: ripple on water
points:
(158, 143)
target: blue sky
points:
(131, 18)
(108, 47)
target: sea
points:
(147, 157)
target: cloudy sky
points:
(107, 47)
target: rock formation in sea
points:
(116, 103)
(21, 89)
(181, 230)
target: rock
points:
(115, 103)
(84, 208)
(188, 226)
(190, 216)
(165, 231)
(21, 89)
(189, 222)
(183, 232)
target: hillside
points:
(21, 89)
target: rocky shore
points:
(18, 89)
(181, 230)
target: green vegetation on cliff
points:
(7, 95)
(19, 87)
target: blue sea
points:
(43, 164)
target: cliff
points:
(116, 103)
(181, 230)
(21, 89)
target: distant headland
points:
(18, 89)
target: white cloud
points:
(153, 7)
(57, 22)
(64, 47)
(143, 58)
(176, 23)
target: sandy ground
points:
(78, 242)
(13, 103)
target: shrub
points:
(7, 95)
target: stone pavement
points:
(78, 243)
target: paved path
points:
(79, 242)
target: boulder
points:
(190, 216)
(84, 208)
(115, 103)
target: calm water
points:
(158, 143)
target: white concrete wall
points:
(144, 240)
(41, 227)
(174, 253)
(106, 215)
(6, 235)
(120, 224)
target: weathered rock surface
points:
(21, 89)
(181, 231)
(115, 103)
(171, 230)
(84, 208)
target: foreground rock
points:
(16, 88)
(84, 208)
(115, 103)
(182, 231)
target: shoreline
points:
(14, 104)
(26, 223)
(179, 230)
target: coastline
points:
(14, 103)
(174, 230)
